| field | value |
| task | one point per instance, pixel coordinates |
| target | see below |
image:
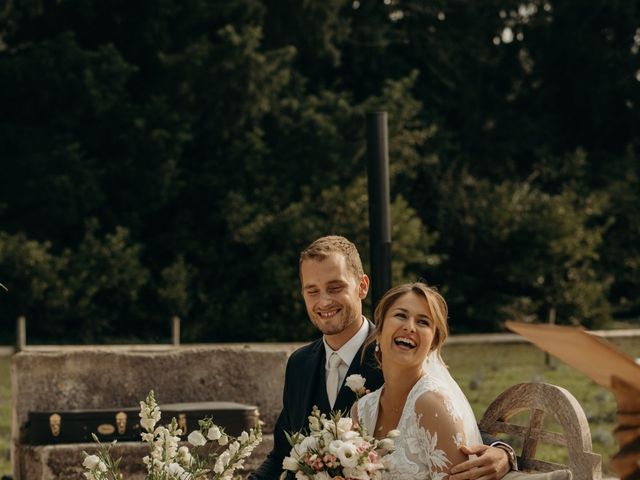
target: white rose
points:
(322, 476)
(348, 455)
(223, 440)
(213, 433)
(102, 467)
(350, 435)
(355, 383)
(290, 463)
(344, 425)
(89, 476)
(196, 438)
(327, 437)
(309, 443)
(393, 433)
(334, 446)
(90, 461)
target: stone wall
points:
(103, 377)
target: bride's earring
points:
(377, 346)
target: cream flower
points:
(355, 383)
(301, 476)
(350, 435)
(334, 446)
(290, 463)
(309, 443)
(196, 438)
(348, 455)
(214, 433)
(221, 462)
(386, 444)
(356, 474)
(91, 461)
(344, 425)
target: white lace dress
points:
(430, 432)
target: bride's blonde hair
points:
(437, 312)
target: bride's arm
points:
(444, 432)
(354, 416)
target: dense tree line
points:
(172, 157)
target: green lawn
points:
(483, 372)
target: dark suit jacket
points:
(304, 387)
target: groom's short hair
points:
(325, 246)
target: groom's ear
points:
(363, 287)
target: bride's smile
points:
(407, 332)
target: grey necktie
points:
(333, 378)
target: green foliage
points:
(173, 159)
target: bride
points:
(419, 397)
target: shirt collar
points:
(349, 350)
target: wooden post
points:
(21, 333)
(175, 331)
(551, 319)
(626, 463)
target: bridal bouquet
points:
(169, 461)
(333, 449)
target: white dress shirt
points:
(347, 352)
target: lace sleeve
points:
(443, 432)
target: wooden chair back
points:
(542, 399)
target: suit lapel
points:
(311, 382)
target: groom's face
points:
(333, 295)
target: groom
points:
(333, 286)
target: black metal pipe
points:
(379, 210)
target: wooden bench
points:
(542, 399)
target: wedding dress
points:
(425, 438)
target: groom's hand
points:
(491, 464)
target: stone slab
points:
(100, 377)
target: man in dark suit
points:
(333, 286)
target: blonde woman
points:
(419, 398)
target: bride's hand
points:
(491, 463)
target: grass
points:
(483, 371)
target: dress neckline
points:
(404, 407)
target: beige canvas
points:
(588, 353)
